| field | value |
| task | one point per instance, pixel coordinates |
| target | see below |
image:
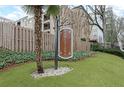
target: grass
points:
(101, 70)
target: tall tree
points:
(120, 32)
(119, 24)
(111, 35)
(37, 11)
(96, 15)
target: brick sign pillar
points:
(65, 45)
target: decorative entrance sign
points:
(65, 43)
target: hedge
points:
(111, 51)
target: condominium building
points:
(47, 23)
(2, 19)
(75, 18)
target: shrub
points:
(111, 51)
(77, 55)
(8, 57)
(94, 46)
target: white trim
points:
(71, 42)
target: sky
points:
(14, 12)
(118, 10)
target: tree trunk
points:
(38, 37)
(104, 43)
(104, 30)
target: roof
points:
(2, 18)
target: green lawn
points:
(101, 70)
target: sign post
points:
(65, 43)
(56, 42)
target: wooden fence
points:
(21, 39)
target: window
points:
(46, 17)
(47, 26)
(18, 23)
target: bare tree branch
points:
(98, 11)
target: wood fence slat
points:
(22, 39)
